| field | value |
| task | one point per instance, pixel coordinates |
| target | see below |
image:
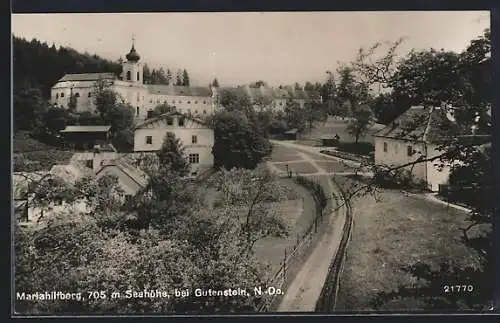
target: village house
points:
(130, 86)
(194, 134)
(417, 134)
(276, 97)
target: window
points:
(165, 102)
(170, 121)
(181, 122)
(189, 102)
(194, 139)
(89, 163)
(138, 76)
(204, 101)
(180, 101)
(195, 102)
(129, 77)
(90, 94)
(150, 100)
(150, 114)
(137, 112)
(62, 94)
(170, 134)
(204, 111)
(138, 97)
(385, 147)
(409, 151)
(77, 95)
(149, 140)
(194, 158)
(57, 96)
(196, 111)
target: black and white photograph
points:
(203, 163)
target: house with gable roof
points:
(196, 136)
(417, 134)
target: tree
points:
(178, 78)
(235, 101)
(360, 123)
(245, 201)
(112, 110)
(162, 109)
(237, 141)
(215, 83)
(169, 77)
(172, 157)
(295, 116)
(146, 74)
(73, 102)
(29, 108)
(309, 86)
(258, 84)
(185, 78)
(446, 79)
(297, 86)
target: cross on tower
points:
(133, 40)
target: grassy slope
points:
(398, 230)
(36, 155)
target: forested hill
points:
(39, 65)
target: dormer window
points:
(170, 121)
(62, 94)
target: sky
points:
(239, 48)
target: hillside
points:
(39, 65)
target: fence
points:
(328, 297)
(291, 256)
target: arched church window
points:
(137, 111)
(128, 76)
(138, 76)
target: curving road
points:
(304, 291)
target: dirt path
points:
(304, 291)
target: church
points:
(196, 101)
(192, 100)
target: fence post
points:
(284, 268)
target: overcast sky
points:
(237, 48)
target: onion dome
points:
(133, 56)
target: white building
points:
(195, 136)
(276, 96)
(131, 88)
(415, 134)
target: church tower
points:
(132, 68)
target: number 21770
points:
(457, 288)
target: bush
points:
(318, 193)
(40, 160)
(361, 148)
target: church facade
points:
(197, 101)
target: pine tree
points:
(169, 76)
(178, 80)
(185, 78)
